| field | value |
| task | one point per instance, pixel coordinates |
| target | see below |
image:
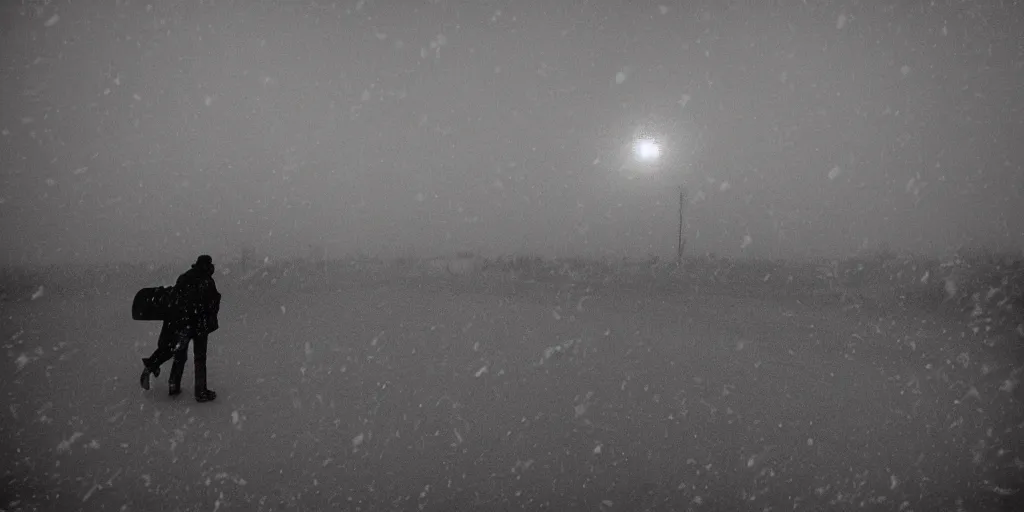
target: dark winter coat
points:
(196, 301)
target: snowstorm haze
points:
(135, 131)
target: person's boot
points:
(146, 371)
(205, 395)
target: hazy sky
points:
(148, 131)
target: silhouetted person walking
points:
(192, 317)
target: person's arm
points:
(210, 306)
(212, 297)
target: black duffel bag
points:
(152, 303)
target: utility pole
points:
(682, 243)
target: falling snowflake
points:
(747, 240)
(841, 22)
(52, 21)
(620, 77)
(834, 173)
(964, 359)
(951, 288)
(357, 440)
(22, 361)
(905, 70)
(915, 186)
(65, 445)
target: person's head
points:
(204, 263)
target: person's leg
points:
(164, 346)
(199, 352)
(180, 358)
(202, 393)
(164, 351)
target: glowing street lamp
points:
(647, 150)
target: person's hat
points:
(204, 262)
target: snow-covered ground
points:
(429, 395)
